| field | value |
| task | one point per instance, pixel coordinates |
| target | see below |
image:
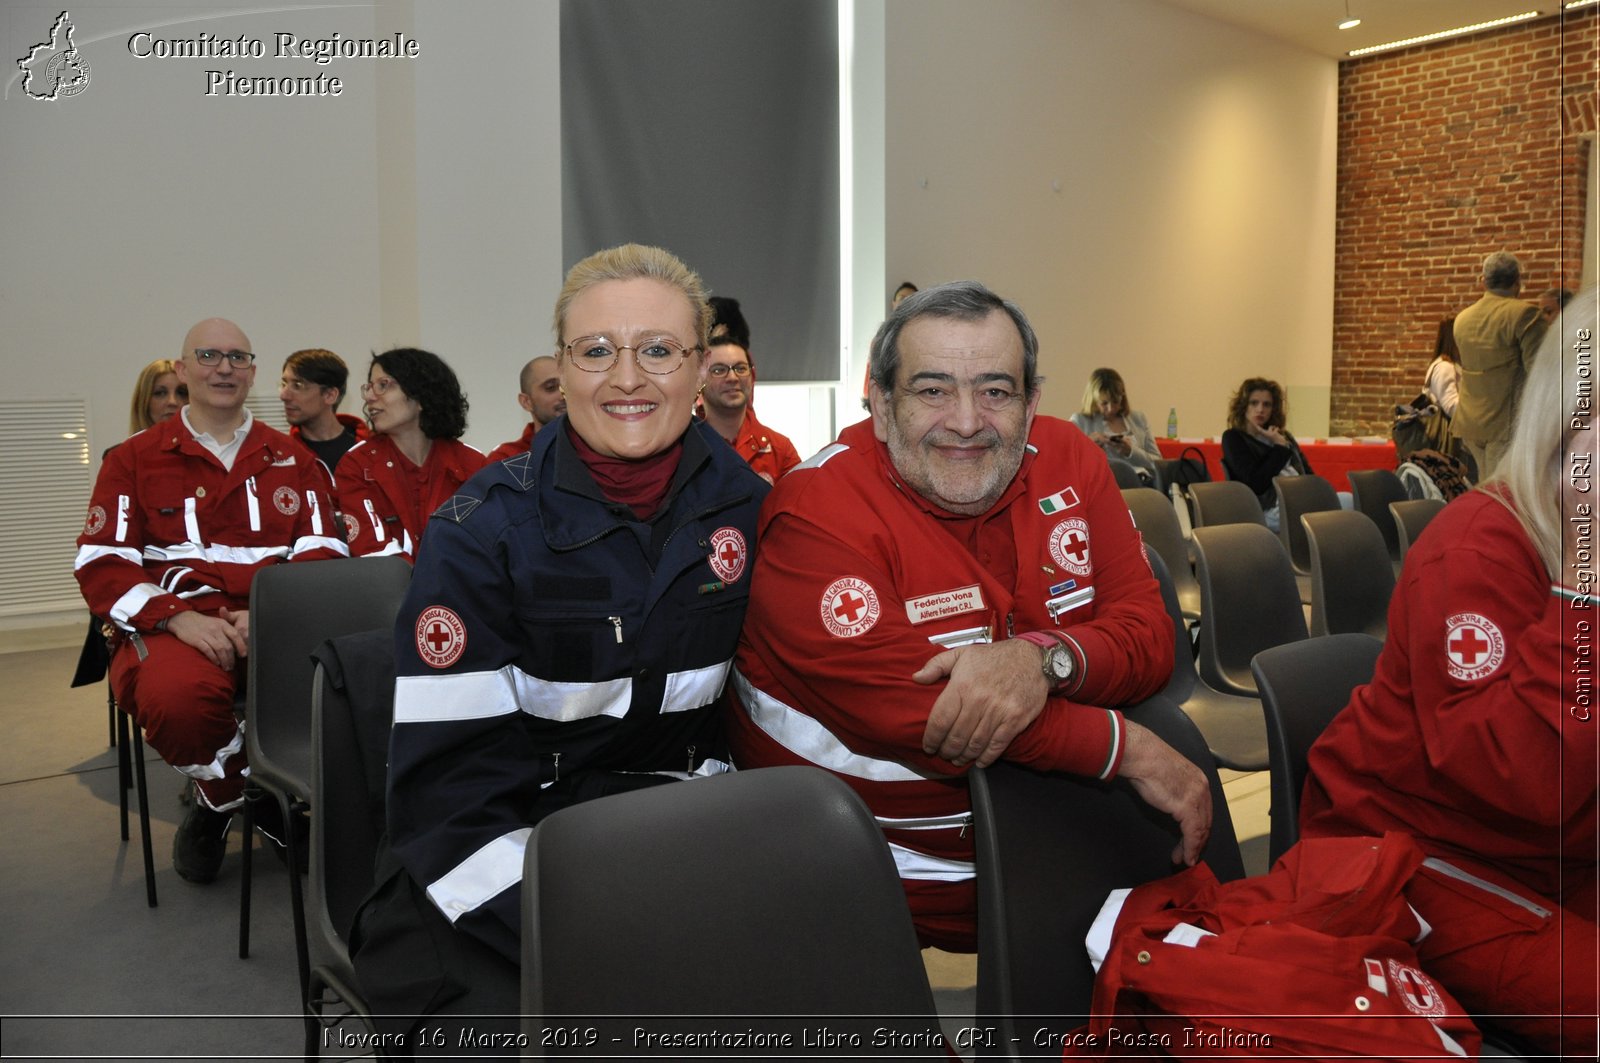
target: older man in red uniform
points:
(183, 516)
(954, 582)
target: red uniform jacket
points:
(858, 584)
(386, 501)
(769, 453)
(511, 448)
(1468, 737)
(169, 529)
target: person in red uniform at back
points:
(728, 404)
(183, 516)
(539, 392)
(1477, 734)
(952, 582)
(390, 485)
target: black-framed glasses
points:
(659, 355)
(741, 369)
(212, 356)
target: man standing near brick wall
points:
(1497, 336)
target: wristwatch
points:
(1058, 664)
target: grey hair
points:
(1501, 271)
(962, 300)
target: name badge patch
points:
(941, 604)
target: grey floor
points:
(87, 971)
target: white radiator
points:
(45, 480)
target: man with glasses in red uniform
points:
(183, 516)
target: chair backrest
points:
(1050, 847)
(1411, 516)
(767, 896)
(353, 708)
(1225, 502)
(1183, 674)
(1157, 521)
(1352, 577)
(1124, 473)
(1372, 490)
(1249, 601)
(1304, 685)
(1298, 495)
(293, 609)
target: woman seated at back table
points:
(1256, 447)
(1122, 433)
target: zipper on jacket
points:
(555, 758)
(690, 768)
(616, 622)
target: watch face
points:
(1058, 663)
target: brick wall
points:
(1447, 152)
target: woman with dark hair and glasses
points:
(391, 483)
(567, 634)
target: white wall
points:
(1190, 241)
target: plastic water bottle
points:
(1172, 423)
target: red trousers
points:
(1531, 974)
(184, 703)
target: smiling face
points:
(389, 408)
(730, 391)
(215, 389)
(544, 399)
(625, 412)
(304, 402)
(167, 396)
(957, 422)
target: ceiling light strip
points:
(1442, 34)
(1570, 4)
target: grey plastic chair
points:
(294, 608)
(1352, 578)
(1157, 522)
(1225, 502)
(1410, 517)
(1303, 686)
(1049, 849)
(1250, 602)
(1298, 495)
(1124, 473)
(352, 708)
(1372, 490)
(766, 897)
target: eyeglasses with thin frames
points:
(210, 356)
(379, 386)
(659, 355)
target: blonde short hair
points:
(1105, 383)
(630, 262)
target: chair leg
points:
(111, 716)
(124, 770)
(297, 898)
(247, 841)
(144, 815)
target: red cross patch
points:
(95, 521)
(287, 499)
(1417, 991)
(728, 554)
(1069, 546)
(849, 607)
(351, 528)
(1473, 646)
(441, 637)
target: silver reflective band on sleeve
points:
(372, 519)
(191, 523)
(912, 864)
(1470, 879)
(215, 553)
(390, 547)
(565, 702)
(308, 543)
(128, 606)
(820, 458)
(967, 636)
(954, 821)
(122, 518)
(482, 876)
(694, 688)
(454, 697)
(316, 513)
(88, 554)
(808, 739)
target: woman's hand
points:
(1275, 436)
